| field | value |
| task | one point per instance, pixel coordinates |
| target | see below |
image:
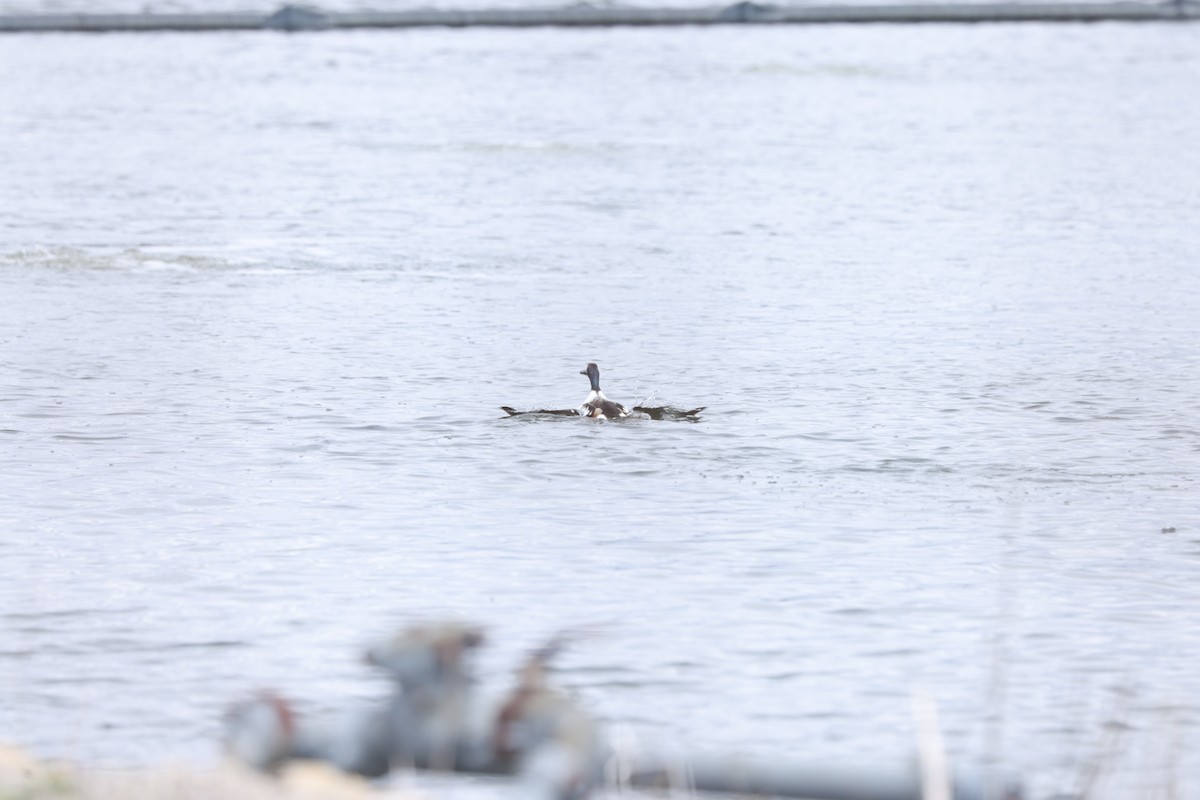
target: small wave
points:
(131, 259)
(1177, 433)
(829, 70)
(87, 438)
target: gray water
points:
(261, 297)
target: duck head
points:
(593, 373)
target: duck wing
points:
(670, 412)
(562, 412)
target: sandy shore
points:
(25, 778)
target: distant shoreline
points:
(298, 18)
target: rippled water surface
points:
(262, 296)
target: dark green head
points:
(593, 373)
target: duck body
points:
(596, 405)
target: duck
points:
(596, 405)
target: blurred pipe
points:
(726, 775)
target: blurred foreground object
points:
(435, 719)
(24, 778)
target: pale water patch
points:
(133, 259)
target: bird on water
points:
(596, 405)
